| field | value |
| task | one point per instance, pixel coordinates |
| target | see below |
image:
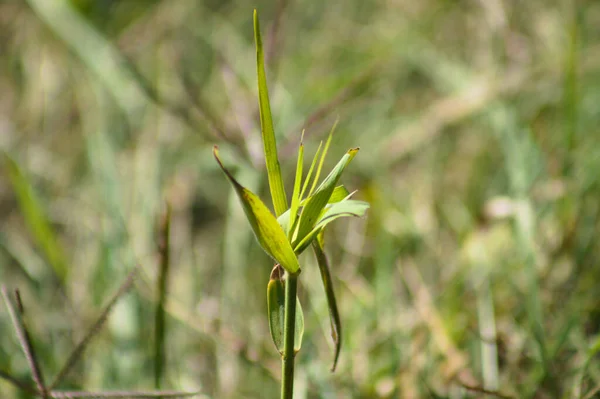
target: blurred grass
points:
(478, 124)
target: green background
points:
(479, 128)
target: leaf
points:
(36, 219)
(334, 316)
(276, 312)
(314, 206)
(310, 170)
(322, 160)
(296, 193)
(335, 211)
(268, 133)
(339, 194)
(267, 230)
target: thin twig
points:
(25, 339)
(78, 351)
(176, 108)
(483, 390)
(121, 394)
(17, 383)
(592, 393)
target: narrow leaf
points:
(334, 315)
(296, 193)
(322, 160)
(267, 230)
(276, 311)
(310, 170)
(268, 133)
(36, 219)
(312, 210)
(348, 208)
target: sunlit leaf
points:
(314, 206)
(334, 316)
(264, 225)
(296, 193)
(310, 170)
(276, 311)
(348, 208)
(268, 133)
(339, 193)
(322, 160)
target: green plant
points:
(291, 230)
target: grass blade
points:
(163, 275)
(268, 133)
(310, 170)
(36, 219)
(322, 160)
(296, 193)
(94, 329)
(267, 230)
(15, 311)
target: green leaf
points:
(334, 315)
(36, 219)
(347, 208)
(268, 133)
(314, 206)
(276, 311)
(339, 193)
(322, 160)
(267, 230)
(310, 170)
(296, 193)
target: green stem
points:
(287, 361)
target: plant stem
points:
(287, 360)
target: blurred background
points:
(479, 129)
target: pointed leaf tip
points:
(267, 230)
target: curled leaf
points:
(276, 311)
(267, 230)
